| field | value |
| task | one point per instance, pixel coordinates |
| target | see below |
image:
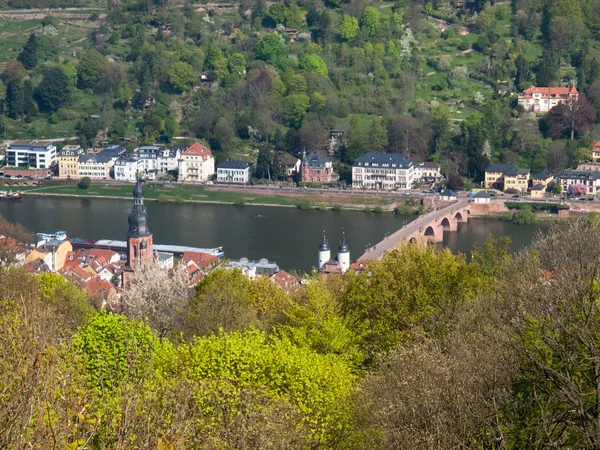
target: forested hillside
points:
(431, 80)
(423, 350)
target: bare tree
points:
(156, 294)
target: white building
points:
(233, 172)
(428, 171)
(96, 167)
(254, 269)
(589, 179)
(382, 171)
(543, 99)
(158, 159)
(34, 154)
(128, 167)
(482, 197)
(196, 163)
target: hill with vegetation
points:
(430, 80)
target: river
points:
(285, 235)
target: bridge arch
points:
(429, 231)
(445, 223)
(458, 215)
(412, 240)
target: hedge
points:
(537, 207)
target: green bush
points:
(524, 216)
(322, 207)
(240, 202)
(403, 210)
(378, 210)
(337, 207)
(84, 183)
(304, 204)
(537, 207)
(367, 209)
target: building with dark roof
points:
(589, 179)
(234, 171)
(506, 176)
(316, 168)
(388, 171)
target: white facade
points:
(426, 171)
(96, 167)
(233, 172)
(196, 164)
(382, 171)
(127, 168)
(34, 154)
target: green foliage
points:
(295, 107)
(304, 204)
(54, 91)
(90, 68)
(112, 350)
(369, 21)
(399, 296)
(182, 76)
(29, 55)
(313, 63)
(537, 207)
(318, 385)
(525, 215)
(270, 48)
(84, 183)
(348, 27)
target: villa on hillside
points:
(543, 99)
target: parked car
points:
(515, 196)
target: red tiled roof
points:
(100, 252)
(550, 91)
(97, 287)
(197, 149)
(202, 260)
(79, 273)
(284, 279)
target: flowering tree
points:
(155, 294)
(577, 189)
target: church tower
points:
(139, 237)
(324, 252)
(343, 254)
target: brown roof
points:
(202, 260)
(97, 287)
(284, 279)
(36, 266)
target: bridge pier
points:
(461, 216)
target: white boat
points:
(58, 236)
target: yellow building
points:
(540, 183)
(67, 161)
(54, 253)
(506, 176)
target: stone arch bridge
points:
(426, 228)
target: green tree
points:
(378, 136)
(182, 76)
(237, 64)
(54, 91)
(270, 48)
(14, 99)
(84, 183)
(348, 27)
(277, 13)
(171, 126)
(295, 107)
(29, 55)
(407, 294)
(313, 63)
(90, 69)
(369, 21)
